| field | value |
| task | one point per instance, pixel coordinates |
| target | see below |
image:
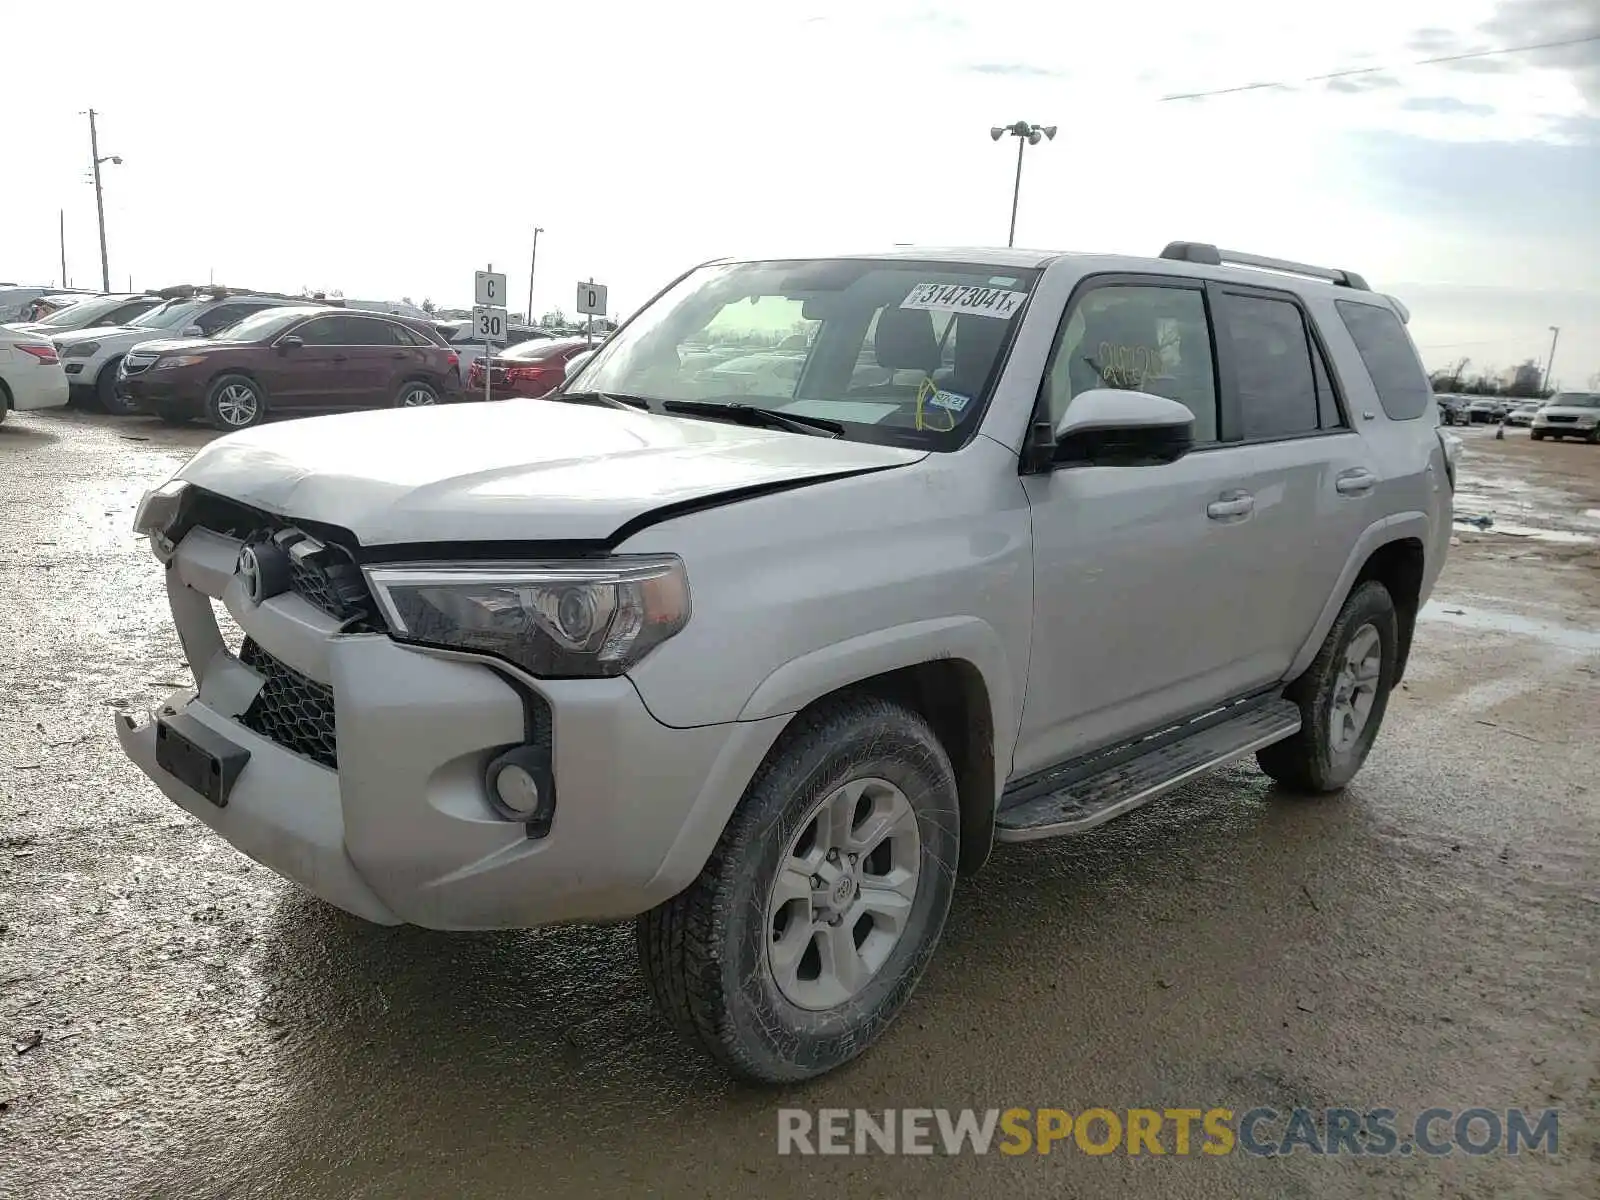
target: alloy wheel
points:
(1355, 688)
(843, 894)
(238, 405)
(417, 397)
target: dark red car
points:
(292, 360)
(530, 368)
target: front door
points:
(313, 374)
(1142, 575)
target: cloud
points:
(1015, 70)
(1483, 66)
(1355, 85)
(1434, 41)
(1529, 22)
(1447, 104)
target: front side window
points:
(1391, 360)
(1274, 377)
(896, 351)
(1139, 337)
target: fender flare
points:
(811, 676)
(1380, 533)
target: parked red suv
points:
(292, 360)
(530, 368)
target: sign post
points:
(489, 314)
(591, 301)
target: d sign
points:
(592, 299)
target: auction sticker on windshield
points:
(964, 298)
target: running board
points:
(1096, 799)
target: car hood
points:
(518, 470)
(105, 333)
(178, 345)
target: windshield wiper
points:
(750, 414)
(612, 399)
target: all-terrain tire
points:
(1308, 762)
(705, 954)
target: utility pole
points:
(1549, 363)
(99, 198)
(63, 214)
(533, 262)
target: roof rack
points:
(1205, 252)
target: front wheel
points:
(1342, 696)
(812, 921)
(235, 402)
(1536, 435)
(105, 391)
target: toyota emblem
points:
(250, 574)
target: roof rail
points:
(1205, 252)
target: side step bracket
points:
(1093, 800)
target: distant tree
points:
(1525, 381)
(427, 305)
(554, 319)
(406, 300)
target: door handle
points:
(1355, 483)
(1232, 504)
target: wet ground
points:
(1427, 938)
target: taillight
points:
(529, 374)
(46, 354)
(453, 359)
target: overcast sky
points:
(389, 149)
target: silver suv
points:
(767, 673)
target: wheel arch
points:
(952, 671)
(1394, 552)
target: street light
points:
(532, 262)
(1549, 363)
(99, 198)
(1026, 135)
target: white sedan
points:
(30, 373)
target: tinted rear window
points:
(541, 348)
(1391, 360)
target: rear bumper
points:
(37, 387)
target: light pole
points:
(99, 199)
(532, 262)
(1555, 334)
(1026, 135)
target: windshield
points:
(171, 315)
(1576, 400)
(260, 326)
(75, 316)
(901, 352)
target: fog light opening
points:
(520, 788)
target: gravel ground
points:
(1428, 937)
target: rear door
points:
(375, 361)
(1311, 480)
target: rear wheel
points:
(823, 901)
(1536, 435)
(105, 392)
(1342, 696)
(415, 393)
(235, 402)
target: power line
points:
(1421, 62)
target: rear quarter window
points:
(1390, 358)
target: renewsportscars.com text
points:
(1261, 1132)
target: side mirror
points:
(1109, 427)
(289, 343)
(193, 331)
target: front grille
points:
(327, 580)
(291, 709)
(1559, 420)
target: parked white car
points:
(93, 312)
(1569, 414)
(30, 373)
